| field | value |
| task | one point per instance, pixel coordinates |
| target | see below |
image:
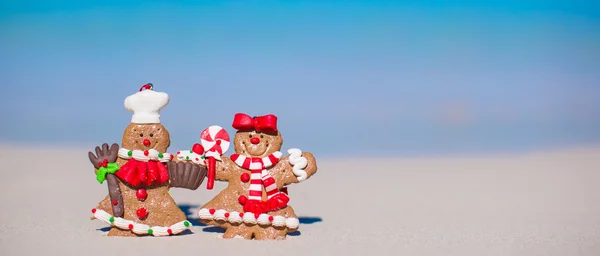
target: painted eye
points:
(250, 135)
(141, 135)
(261, 136)
(151, 135)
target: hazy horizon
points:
(344, 77)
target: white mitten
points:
(299, 162)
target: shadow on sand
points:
(190, 211)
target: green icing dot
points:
(202, 157)
(160, 155)
(191, 151)
(187, 158)
(129, 153)
(112, 219)
(150, 231)
(185, 223)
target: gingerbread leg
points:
(239, 231)
(119, 232)
(270, 233)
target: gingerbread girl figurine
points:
(255, 203)
(140, 173)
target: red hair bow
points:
(267, 123)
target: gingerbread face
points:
(146, 136)
(257, 144)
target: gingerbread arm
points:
(296, 167)
(224, 169)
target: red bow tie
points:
(267, 123)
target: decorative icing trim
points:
(192, 156)
(138, 228)
(144, 156)
(248, 218)
(299, 162)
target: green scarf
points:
(110, 168)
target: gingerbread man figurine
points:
(255, 203)
(140, 173)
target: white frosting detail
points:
(122, 223)
(220, 215)
(263, 219)
(234, 217)
(249, 218)
(213, 154)
(138, 228)
(292, 223)
(146, 106)
(299, 162)
(204, 214)
(160, 231)
(179, 227)
(279, 221)
(140, 156)
(186, 155)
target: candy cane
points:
(215, 141)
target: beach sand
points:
(542, 203)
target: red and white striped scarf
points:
(259, 176)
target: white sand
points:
(528, 204)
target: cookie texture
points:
(254, 205)
(139, 202)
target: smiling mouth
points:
(254, 153)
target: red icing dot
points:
(94, 210)
(198, 149)
(197, 159)
(130, 226)
(245, 177)
(142, 213)
(178, 152)
(170, 231)
(141, 194)
(171, 157)
(226, 215)
(242, 199)
(115, 202)
(212, 211)
(271, 218)
(146, 153)
(241, 214)
(256, 215)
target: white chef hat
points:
(146, 105)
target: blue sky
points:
(345, 77)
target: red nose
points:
(147, 142)
(254, 140)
